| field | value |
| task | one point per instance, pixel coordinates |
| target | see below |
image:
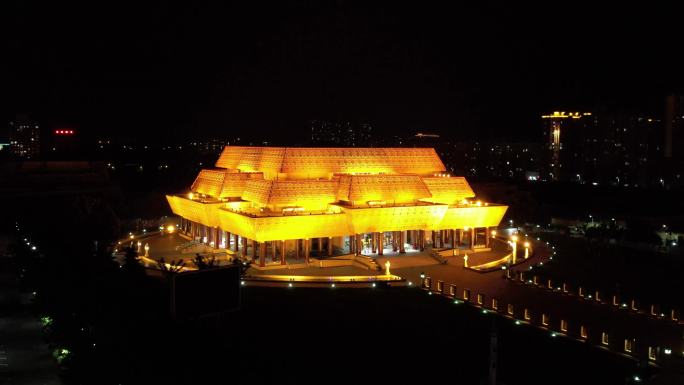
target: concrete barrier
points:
(549, 284)
(674, 315)
(580, 291)
(654, 310)
(604, 339)
(509, 309)
(628, 345)
(527, 315)
(565, 287)
(564, 326)
(453, 291)
(480, 299)
(535, 280)
(427, 283)
(495, 304)
(466, 295)
(634, 305)
(545, 319)
(440, 286)
(584, 332)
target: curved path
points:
(662, 335)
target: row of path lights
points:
(628, 343)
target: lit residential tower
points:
(24, 138)
(292, 201)
(564, 132)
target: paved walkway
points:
(24, 356)
(619, 324)
(317, 271)
(399, 261)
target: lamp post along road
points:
(514, 245)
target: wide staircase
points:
(366, 262)
(434, 254)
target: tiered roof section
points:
(449, 190)
(309, 194)
(311, 178)
(361, 189)
(311, 163)
(223, 184)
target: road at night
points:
(597, 318)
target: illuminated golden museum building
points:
(279, 203)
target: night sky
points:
(264, 70)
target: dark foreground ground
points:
(388, 335)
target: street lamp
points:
(514, 245)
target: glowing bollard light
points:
(527, 250)
(465, 260)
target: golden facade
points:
(267, 194)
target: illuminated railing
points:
(293, 210)
(376, 203)
(325, 279)
(493, 264)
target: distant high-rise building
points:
(674, 127)
(4, 141)
(24, 138)
(346, 134)
(564, 134)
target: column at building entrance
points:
(262, 252)
(402, 241)
(283, 252)
(381, 242)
